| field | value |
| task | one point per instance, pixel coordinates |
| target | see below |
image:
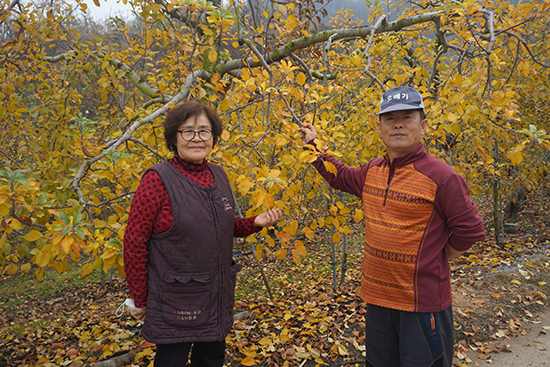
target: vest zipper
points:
(220, 282)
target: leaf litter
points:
(498, 292)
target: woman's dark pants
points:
(203, 354)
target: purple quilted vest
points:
(191, 273)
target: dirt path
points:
(531, 349)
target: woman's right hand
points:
(140, 313)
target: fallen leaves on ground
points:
(497, 290)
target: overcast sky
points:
(108, 8)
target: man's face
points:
(401, 131)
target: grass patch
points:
(28, 327)
(14, 290)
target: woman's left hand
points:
(268, 218)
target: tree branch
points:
(505, 128)
(295, 118)
(111, 200)
(491, 20)
(312, 74)
(381, 20)
(130, 74)
(11, 6)
(181, 15)
(444, 48)
(147, 147)
(136, 79)
(184, 92)
(369, 44)
(295, 57)
(28, 223)
(251, 46)
(527, 48)
(306, 41)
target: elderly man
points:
(418, 215)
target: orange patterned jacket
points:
(412, 209)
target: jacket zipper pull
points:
(386, 195)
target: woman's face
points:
(196, 149)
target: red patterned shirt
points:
(151, 213)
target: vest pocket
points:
(186, 299)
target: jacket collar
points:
(411, 157)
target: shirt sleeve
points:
(347, 179)
(245, 227)
(460, 213)
(146, 206)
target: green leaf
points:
(77, 218)
(41, 198)
(80, 233)
(64, 218)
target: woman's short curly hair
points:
(179, 114)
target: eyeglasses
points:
(190, 134)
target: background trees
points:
(83, 103)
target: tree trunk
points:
(496, 221)
(344, 260)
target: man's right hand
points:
(308, 133)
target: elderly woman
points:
(178, 244)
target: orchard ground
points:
(500, 308)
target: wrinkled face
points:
(401, 131)
(196, 149)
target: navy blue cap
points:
(401, 99)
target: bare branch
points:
(505, 128)
(294, 57)
(295, 118)
(311, 73)
(516, 61)
(66, 56)
(130, 74)
(28, 223)
(111, 200)
(136, 79)
(253, 13)
(251, 46)
(180, 14)
(345, 33)
(369, 44)
(444, 48)
(491, 20)
(381, 20)
(457, 66)
(11, 6)
(527, 48)
(147, 147)
(184, 92)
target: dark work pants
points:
(203, 354)
(409, 339)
